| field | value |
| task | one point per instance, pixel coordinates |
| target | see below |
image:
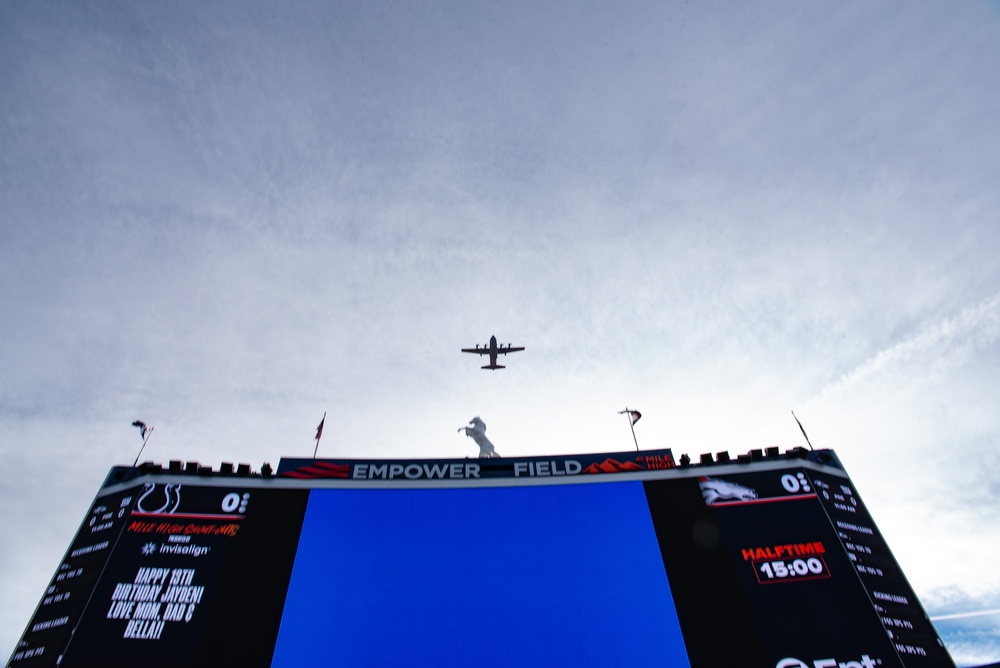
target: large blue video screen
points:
(554, 575)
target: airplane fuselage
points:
(493, 354)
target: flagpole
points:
(802, 429)
(631, 425)
(319, 434)
(146, 438)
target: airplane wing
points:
(508, 349)
(478, 351)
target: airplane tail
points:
(493, 366)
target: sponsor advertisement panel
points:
(521, 468)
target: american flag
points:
(143, 428)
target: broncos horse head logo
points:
(478, 434)
(717, 491)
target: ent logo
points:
(865, 662)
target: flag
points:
(802, 429)
(319, 429)
(633, 416)
(143, 428)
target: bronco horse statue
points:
(478, 434)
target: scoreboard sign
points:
(590, 560)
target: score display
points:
(772, 563)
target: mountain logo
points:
(610, 465)
(320, 470)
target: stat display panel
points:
(591, 560)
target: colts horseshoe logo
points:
(164, 501)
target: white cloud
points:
(227, 220)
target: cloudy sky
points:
(228, 218)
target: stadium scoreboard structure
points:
(587, 560)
